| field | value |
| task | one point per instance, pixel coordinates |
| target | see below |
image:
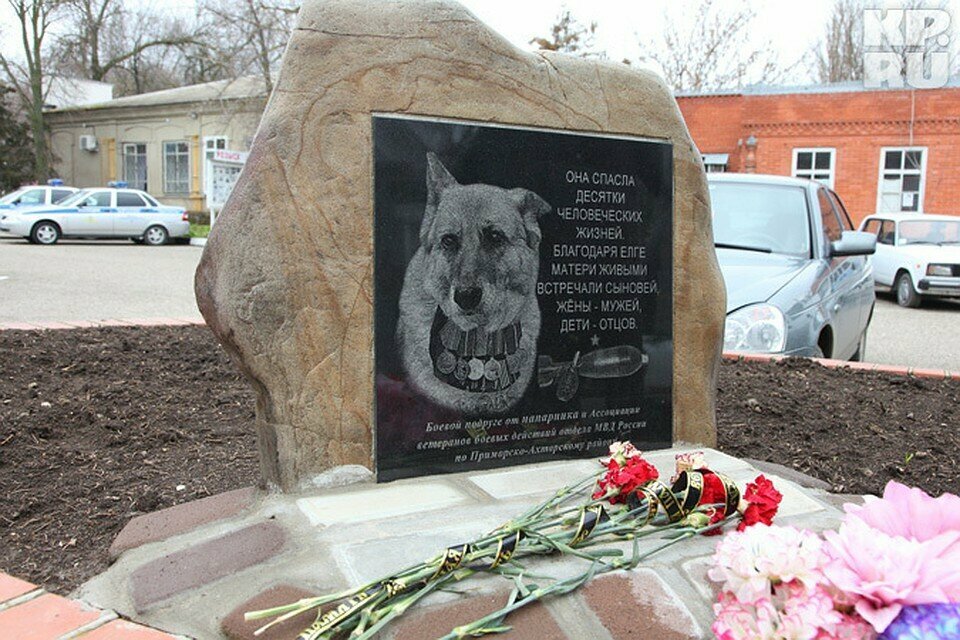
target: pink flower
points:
(688, 461)
(622, 452)
(806, 612)
(881, 571)
(909, 513)
(750, 563)
(850, 627)
(912, 514)
(737, 620)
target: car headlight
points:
(759, 328)
(939, 270)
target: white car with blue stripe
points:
(105, 212)
(36, 195)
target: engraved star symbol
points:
(595, 340)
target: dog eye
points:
(494, 236)
(450, 242)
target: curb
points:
(27, 609)
(198, 242)
(97, 324)
(910, 372)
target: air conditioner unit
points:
(88, 143)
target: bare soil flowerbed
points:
(100, 425)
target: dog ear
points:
(531, 207)
(438, 178)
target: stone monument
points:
(438, 232)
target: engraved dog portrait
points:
(469, 318)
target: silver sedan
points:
(797, 275)
(99, 213)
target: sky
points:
(789, 27)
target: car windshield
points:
(10, 197)
(760, 217)
(929, 232)
(76, 198)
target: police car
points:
(33, 195)
(104, 212)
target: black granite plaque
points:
(522, 294)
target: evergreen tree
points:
(16, 147)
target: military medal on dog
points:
(469, 317)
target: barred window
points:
(901, 179)
(176, 167)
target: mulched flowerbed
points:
(100, 425)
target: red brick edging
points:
(27, 611)
(913, 372)
(112, 322)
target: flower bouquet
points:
(588, 520)
(891, 571)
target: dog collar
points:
(475, 360)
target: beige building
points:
(159, 141)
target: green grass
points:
(199, 230)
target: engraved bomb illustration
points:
(611, 362)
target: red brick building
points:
(881, 150)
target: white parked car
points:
(918, 255)
(99, 213)
(34, 195)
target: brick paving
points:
(29, 613)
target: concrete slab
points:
(385, 501)
(532, 479)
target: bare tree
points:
(713, 50)
(838, 56)
(106, 41)
(567, 35)
(241, 37)
(29, 79)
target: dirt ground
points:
(100, 425)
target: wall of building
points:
(151, 126)
(857, 124)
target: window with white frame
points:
(135, 164)
(901, 179)
(715, 162)
(815, 164)
(212, 143)
(176, 167)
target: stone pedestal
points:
(286, 279)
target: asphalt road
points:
(927, 337)
(87, 280)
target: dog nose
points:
(468, 298)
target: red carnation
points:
(713, 493)
(762, 502)
(621, 480)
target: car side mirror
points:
(854, 243)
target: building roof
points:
(234, 89)
(853, 86)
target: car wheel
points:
(45, 233)
(155, 236)
(906, 294)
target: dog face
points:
(480, 246)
